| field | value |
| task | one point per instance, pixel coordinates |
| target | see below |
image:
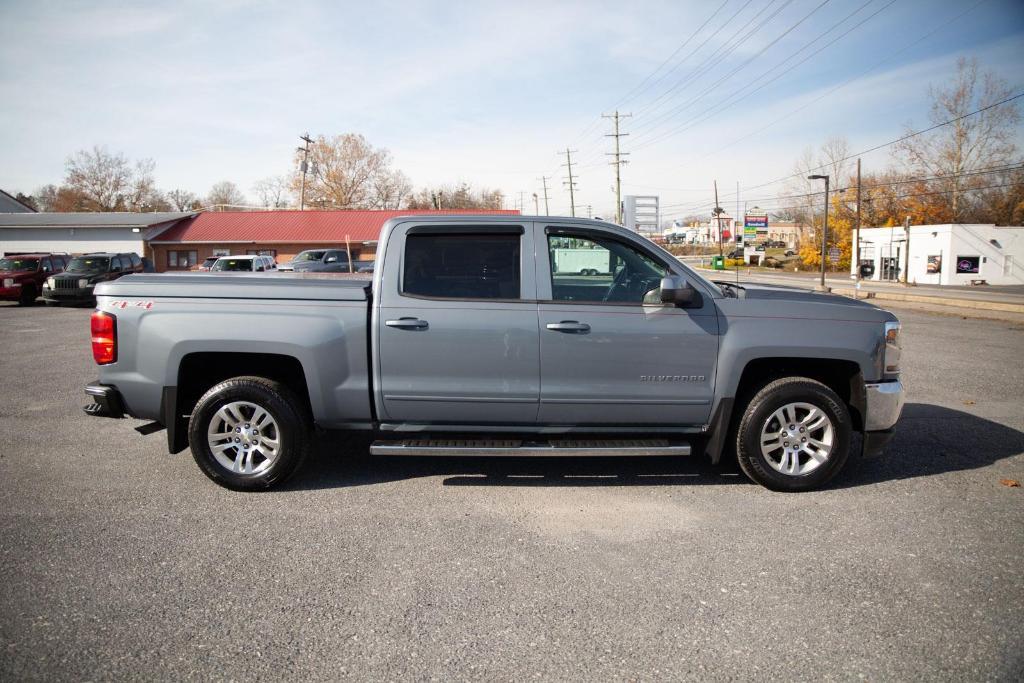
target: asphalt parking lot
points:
(119, 561)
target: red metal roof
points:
(292, 226)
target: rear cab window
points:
(463, 264)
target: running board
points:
(518, 448)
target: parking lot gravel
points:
(119, 561)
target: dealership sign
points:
(752, 222)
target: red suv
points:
(22, 276)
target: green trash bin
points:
(718, 262)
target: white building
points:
(950, 254)
(79, 233)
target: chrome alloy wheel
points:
(797, 439)
(244, 438)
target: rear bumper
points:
(107, 401)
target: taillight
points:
(104, 338)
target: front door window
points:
(600, 270)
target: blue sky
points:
(481, 92)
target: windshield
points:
(232, 264)
(310, 256)
(18, 264)
(89, 264)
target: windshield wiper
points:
(731, 289)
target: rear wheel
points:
(794, 435)
(249, 433)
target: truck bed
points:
(306, 286)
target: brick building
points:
(281, 234)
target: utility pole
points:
(906, 256)
(544, 180)
(522, 206)
(718, 217)
(856, 234)
(619, 161)
(304, 166)
(570, 183)
(590, 211)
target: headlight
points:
(49, 283)
(893, 345)
(8, 282)
(83, 283)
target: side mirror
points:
(331, 259)
(678, 292)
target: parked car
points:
(465, 342)
(22, 277)
(76, 285)
(207, 263)
(245, 264)
(790, 252)
(320, 261)
(735, 253)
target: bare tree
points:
(460, 196)
(833, 158)
(272, 192)
(224, 194)
(183, 200)
(105, 179)
(797, 197)
(389, 189)
(982, 140)
(342, 170)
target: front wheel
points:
(27, 296)
(249, 433)
(794, 435)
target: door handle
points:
(568, 326)
(407, 324)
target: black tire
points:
(28, 296)
(294, 427)
(759, 412)
(51, 303)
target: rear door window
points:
(462, 266)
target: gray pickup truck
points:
(471, 340)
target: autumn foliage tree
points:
(344, 172)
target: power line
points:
(700, 68)
(1002, 168)
(736, 69)
(893, 142)
(828, 92)
(639, 88)
(734, 99)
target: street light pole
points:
(824, 230)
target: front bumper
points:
(69, 295)
(883, 404)
(107, 401)
(10, 293)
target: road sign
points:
(833, 255)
